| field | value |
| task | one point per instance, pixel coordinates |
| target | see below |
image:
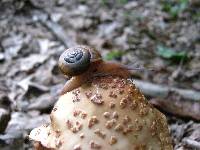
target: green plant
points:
(115, 54)
(174, 8)
(122, 2)
(116, 2)
(171, 54)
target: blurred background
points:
(159, 34)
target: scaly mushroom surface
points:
(102, 112)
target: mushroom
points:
(99, 108)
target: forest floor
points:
(159, 34)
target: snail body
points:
(80, 63)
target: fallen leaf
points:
(43, 102)
(31, 62)
(31, 87)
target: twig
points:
(161, 91)
(59, 32)
(183, 108)
(192, 143)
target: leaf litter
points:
(33, 36)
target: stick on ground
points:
(59, 32)
(155, 90)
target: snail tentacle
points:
(112, 68)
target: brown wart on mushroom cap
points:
(82, 62)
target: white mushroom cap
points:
(106, 113)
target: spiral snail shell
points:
(77, 60)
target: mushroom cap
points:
(104, 113)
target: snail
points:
(81, 62)
(100, 109)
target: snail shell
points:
(76, 60)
